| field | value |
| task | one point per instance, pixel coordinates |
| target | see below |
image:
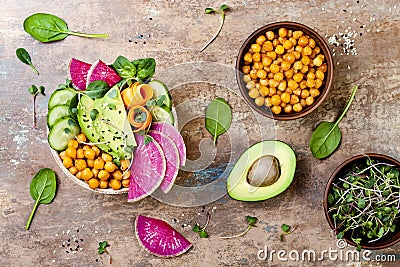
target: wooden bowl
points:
(340, 171)
(324, 89)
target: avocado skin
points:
(237, 184)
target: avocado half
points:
(238, 184)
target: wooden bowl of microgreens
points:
(362, 201)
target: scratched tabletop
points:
(363, 36)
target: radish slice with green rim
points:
(147, 170)
(171, 156)
(100, 71)
(159, 238)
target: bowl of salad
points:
(362, 201)
(111, 128)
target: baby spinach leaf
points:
(327, 135)
(97, 89)
(49, 28)
(24, 56)
(145, 67)
(124, 67)
(218, 118)
(42, 189)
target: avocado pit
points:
(264, 171)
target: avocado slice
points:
(102, 120)
(281, 161)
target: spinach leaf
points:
(43, 190)
(49, 28)
(24, 56)
(218, 118)
(124, 67)
(145, 67)
(97, 89)
(73, 107)
(327, 135)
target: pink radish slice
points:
(174, 135)
(172, 158)
(78, 71)
(147, 170)
(101, 72)
(159, 238)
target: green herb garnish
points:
(218, 118)
(49, 28)
(327, 135)
(43, 190)
(221, 13)
(251, 222)
(202, 231)
(286, 230)
(24, 56)
(34, 91)
(103, 249)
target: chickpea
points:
(279, 49)
(90, 163)
(87, 174)
(297, 91)
(303, 41)
(253, 74)
(96, 150)
(256, 48)
(264, 90)
(89, 153)
(279, 92)
(125, 164)
(270, 35)
(261, 39)
(287, 44)
(305, 60)
(73, 143)
(317, 50)
(103, 184)
(93, 183)
(303, 103)
(95, 172)
(103, 175)
(125, 183)
(80, 164)
(115, 184)
(292, 84)
(249, 85)
(310, 76)
(304, 93)
(106, 157)
(272, 55)
(282, 105)
(275, 42)
(297, 107)
(98, 164)
(254, 93)
(256, 57)
(303, 84)
(307, 51)
(294, 99)
(248, 57)
(285, 65)
(310, 83)
(304, 69)
(246, 78)
(266, 61)
(323, 68)
(285, 97)
(320, 75)
(289, 73)
(282, 32)
(71, 152)
(260, 101)
(73, 170)
(311, 42)
(273, 84)
(288, 108)
(274, 68)
(297, 55)
(282, 86)
(298, 77)
(319, 60)
(318, 83)
(79, 153)
(268, 102)
(264, 82)
(290, 58)
(67, 162)
(299, 49)
(290, 33)
(276, 100)
(289, 91)
(78, 175)
(81, 138)
(278, 77)
(110, 166)
(314, 92)
(297, 34)
(85, 147)
(293, 41)
(246, 69)
(309, 100)
(276, 109)
(262, 74)
(62, 155)
(268, 46)
(297, 65)
(117, 175)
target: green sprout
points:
(221, 12)
(202, 231)
(103, 249)
(251, 222)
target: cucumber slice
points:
(55, 113)
(64, 129)
(61, 97)
(159, 89)
(163, 114)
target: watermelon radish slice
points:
(174, 135)
(101, 72)
(171, 156)
(78, 71)
(159, 238)
(147, 170)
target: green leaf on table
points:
(218, 118)
(24, 56)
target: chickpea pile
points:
(95, 167)
(284, 71)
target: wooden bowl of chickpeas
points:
(284, 70)
(92, 168)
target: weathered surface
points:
(173, 32)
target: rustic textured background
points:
(173, 32)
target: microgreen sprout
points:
(251, 222)
(287, 230)
(34, 91)
(221, 12)
(103, 249)
(202, 231)
(364, 203)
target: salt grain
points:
(96, 232)
(109, 231)
(68, 231)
